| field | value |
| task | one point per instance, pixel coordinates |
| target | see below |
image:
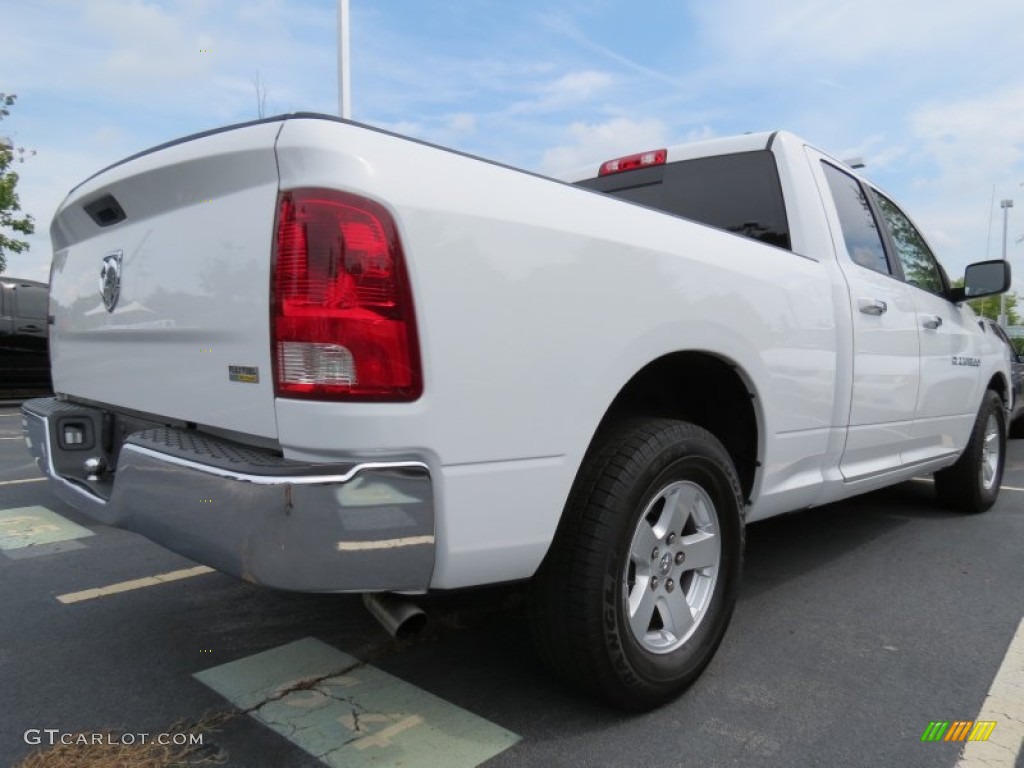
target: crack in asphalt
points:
(308, 684)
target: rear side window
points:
(739, 193)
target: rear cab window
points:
(738, 193)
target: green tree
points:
(9, 203)
(989, 306)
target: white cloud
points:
(577, 86)
(147, 43)
(970, 155)
(976, 140)
(770, 35)
(462, 122)
(560, 23)
(568, 91)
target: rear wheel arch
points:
(703, 389)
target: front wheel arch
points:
(972, 484)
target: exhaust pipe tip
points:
(401, 618)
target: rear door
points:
(948, 335)
(886, 364)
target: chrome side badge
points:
(110, 279)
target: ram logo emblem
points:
(110, 280)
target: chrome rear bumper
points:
(346, 527)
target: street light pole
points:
(1006, 205)
(344, 81)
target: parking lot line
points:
(1004, 706)
(24, 480)
(348, 713)
(1001, 487)
(127, 586)
(30, 526)
(18, 437)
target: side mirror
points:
(983, 278)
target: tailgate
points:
(160, 288)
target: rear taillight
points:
(343, 321)
(632, 162)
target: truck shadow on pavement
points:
(783, 548)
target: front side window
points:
(919, 265)
(860, 230)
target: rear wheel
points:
(972, 484)
(640, 583)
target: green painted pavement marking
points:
(347, 713)
(39, 550)
(29, 526)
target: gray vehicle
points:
(24, 355)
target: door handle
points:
(931, 323)
(872, 306)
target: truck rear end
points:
(188, 294)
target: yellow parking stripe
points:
(998, 738)
(127, 586)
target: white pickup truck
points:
(322, 357)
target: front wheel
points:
(972, 484)
(639, 586)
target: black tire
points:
(965, 486)
(1017, 428)
(578, 598)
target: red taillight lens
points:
(631, 162)
(343, 321)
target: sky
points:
(929, 94)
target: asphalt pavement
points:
(858, 625)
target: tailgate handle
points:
(105, 211)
